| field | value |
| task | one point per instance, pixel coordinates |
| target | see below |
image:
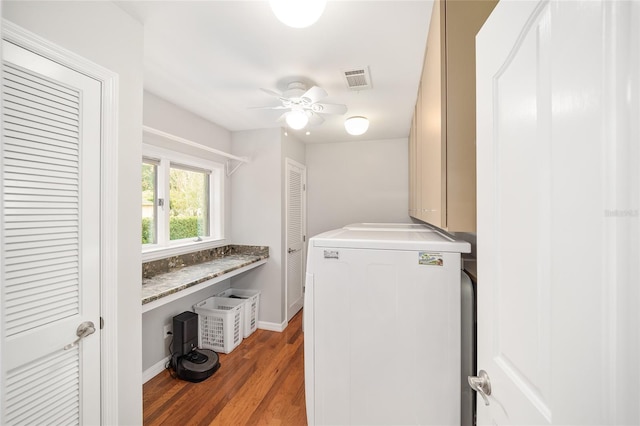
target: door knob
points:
(292, 250)
(481, 384)
(84, 329)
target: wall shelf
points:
(228, 165)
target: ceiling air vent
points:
(358, 78)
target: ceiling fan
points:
(303, 105)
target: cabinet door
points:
(431, 128)
(463, 21)
(412, 169)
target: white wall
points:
(255, 206)
(257, 210)
(292, 148)
(364, 181)
(167, 117)
(103, 33)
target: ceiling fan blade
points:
(315, 120)
(275, 94)
(331, 108)
(272, 93)
(315, 94)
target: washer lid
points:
(390, 240)
(390, 227)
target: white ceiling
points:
(212, 58)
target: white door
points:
(296, 235)
(50, 242)
(558, 88)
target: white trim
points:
(109, 201)
(2, 372)
(152, 151)
(109, 233)
(272, 326)
(154, 370)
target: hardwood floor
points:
(261, 382)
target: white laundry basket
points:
(250, 308)
(219, 323)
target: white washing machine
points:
(382, 327)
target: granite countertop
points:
(169, 276)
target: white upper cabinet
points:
(442, 153)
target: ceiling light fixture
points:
(296, 119)
(298, 13)
(356, 125)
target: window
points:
(181, 199)
(188, 202)
(149, 201)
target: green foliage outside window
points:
(149, 180)
(181, 227)
(146, 231)
(189, 203)
(185, 227)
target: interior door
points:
(558, 194)
(50, 242)
(296, 230)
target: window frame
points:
(155, 163)
(164, 246)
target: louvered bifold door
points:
(295, 237)
(50, 239)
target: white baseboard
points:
(154, 370)
(272, 326)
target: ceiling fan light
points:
(296, 119)
(357, 125)
(298, 13)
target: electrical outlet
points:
(166, 330)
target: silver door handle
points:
(481, 384)
(292, 250)
(84, 330)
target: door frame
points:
(108, 205)
(289, 161)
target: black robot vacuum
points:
(188, 361)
